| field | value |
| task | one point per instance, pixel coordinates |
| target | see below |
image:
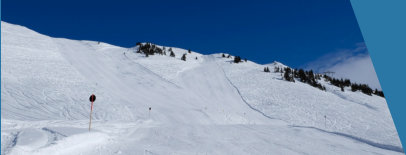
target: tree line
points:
(364, 88)
(152, 49)
(237, 59)
(311, 78)
(303, 76)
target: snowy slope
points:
(348, 112)
(203, 106)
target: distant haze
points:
(354, 64)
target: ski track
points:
(242, 98)
(157, 75)
(366, 141)
(374, 144)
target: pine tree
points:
(302, 75)
(150, 49)
(366, 89)
(223, 55)
(379, 93)
(266, 69)
(347, 82)
(276, 69)
(311, 77)
(287, 75)
(295, 73)
(354, 87)
(237, 59)
(183, 57)
(189, 51)
(172, 54)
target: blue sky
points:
(294, 32)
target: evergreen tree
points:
(172, 54)
(183, 57)
(276, 69)
(296, 73)
(223, 55)
(266, 69)
(302, 75)
(379, 93)
(149, 48)
(189, 51)
(311, 78)
(354, 87)
(237, 59)
(287, 76)
(347, 83)
(366, 89)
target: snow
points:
(203, 106)
(300, 104)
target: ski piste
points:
(162, 105)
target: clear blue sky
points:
(294, 32)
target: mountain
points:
(204, 105)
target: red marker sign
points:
(92, 98)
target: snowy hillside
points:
(204, 105)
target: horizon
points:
(300, 27)
(204, 53)
(296, 33)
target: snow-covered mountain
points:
(204, 105)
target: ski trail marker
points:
(92, 98)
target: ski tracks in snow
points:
(64, 137)
(352, 137)
(239, 93)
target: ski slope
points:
(199, 106)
